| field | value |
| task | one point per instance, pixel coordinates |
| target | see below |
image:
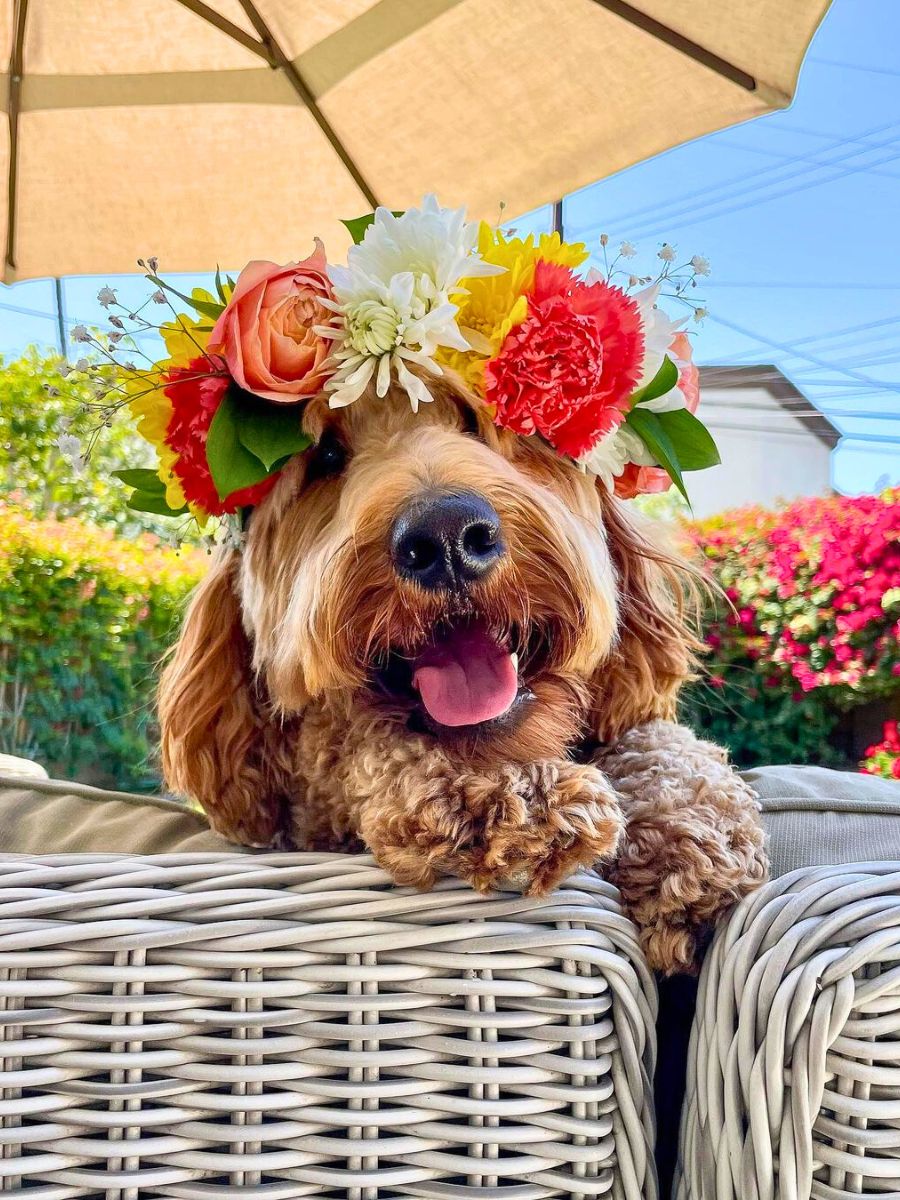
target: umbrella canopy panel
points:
(216, 133)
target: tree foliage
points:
(39, 403)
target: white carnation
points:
(609, 458)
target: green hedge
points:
(84, 619)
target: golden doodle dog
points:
(446, 642)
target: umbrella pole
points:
(60, 316)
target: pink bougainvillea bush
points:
(884, 757)
(811, 625)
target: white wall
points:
(767, 454)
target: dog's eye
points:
(327, 457)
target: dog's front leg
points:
(424, 814)
(693, 842)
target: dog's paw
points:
(678, 882)
(526, 827)
(561, 817)
(424, 836)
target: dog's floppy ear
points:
(656, 650)
(213, 728)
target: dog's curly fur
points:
(276, 717)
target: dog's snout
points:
(447, 541)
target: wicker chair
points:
(794, 1067)
(203, 1025)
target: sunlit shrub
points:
(84, 619)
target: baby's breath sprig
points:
(673, 279)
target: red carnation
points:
(568, 370)
(196, 392)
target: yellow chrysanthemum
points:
(185, 338)
(492, 305)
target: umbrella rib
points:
(16, 67)
(207, 13)
(679, 42)
(281, 61)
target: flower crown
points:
(595, 369)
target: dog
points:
(444, 642)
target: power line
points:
(804, 158)
(751, 199)
(822, 398)
(778, 175)
(788, 349)
(845, 66)
(781, 126)
(795, 406)
(878, 438)
(832, 336)
(867, 358)
(802, 286)
(70, 321)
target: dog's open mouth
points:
(465, 676)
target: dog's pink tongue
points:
(466, 678)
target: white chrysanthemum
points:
(392, 300)
(609, 458)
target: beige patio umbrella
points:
(217, 132)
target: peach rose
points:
(267, 331)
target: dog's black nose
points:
(447, 541)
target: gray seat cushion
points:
(54, 816)
(816, 817)
(813, 816)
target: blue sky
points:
(798, 213)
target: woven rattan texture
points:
(293, 1025)
(794, 1073)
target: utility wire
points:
(750, 197)
(810, 286)
(804, 158)
(789, 349)
(831, 337)
(845, 66)
(779, 174)
(781, 126)
(792, 406)
(875, 438)
(47, 316)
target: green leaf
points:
(359, 225)
(663, 381)
(153, 502)
(206, 308)
(693, 442)
(220, 291)
(142, 480)
(652, 433)
(231, 465)
(271, 432)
